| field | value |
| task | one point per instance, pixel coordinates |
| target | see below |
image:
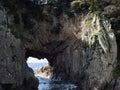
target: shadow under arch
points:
(40, 55)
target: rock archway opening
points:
(40, 67)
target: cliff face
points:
(81, 49)
(14, 71)
(90, 55)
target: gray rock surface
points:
(117, 87)
(13, 67)
(86, 60)
(83, 52)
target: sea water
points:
(50, 84)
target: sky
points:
(35, 60)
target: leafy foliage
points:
(77, 2)
(117, 71)
(95, 32)
(56, 29)
(79, 6)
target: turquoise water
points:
(50, 84)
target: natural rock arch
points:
(78, 50)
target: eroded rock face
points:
(13, 68)
(45, 72)
(117, 87)
(90, 55)
(84, 51)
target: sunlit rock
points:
(82, 49)
(45, 72)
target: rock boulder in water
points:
(45, 72)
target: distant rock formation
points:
(45, 72)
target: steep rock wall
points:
(14, 71)
(90, 57)
(83, 51)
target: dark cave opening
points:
(40, 55)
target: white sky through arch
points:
(36, 63)
(36, 60)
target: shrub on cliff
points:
(78, 5)
(57, 28)
(117, 71)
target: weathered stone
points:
(45, 72)
(88, 59)
(84, 52)
(13, 68)
(117, 87)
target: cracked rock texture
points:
(14, 71)
(81, 50)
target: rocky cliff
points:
(90, 55)
(81, 47)
(14, 72)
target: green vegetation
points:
(79, 6)
(55, 8)
(75, 3)
(48, 18)
(16, 33)
(57, 28)
(95, 32)
(85, 45)
(93, 6)
(117, 71)
(116, 26)
(2, 27)
(24, 10)
(27, 22)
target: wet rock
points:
(45, 71)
